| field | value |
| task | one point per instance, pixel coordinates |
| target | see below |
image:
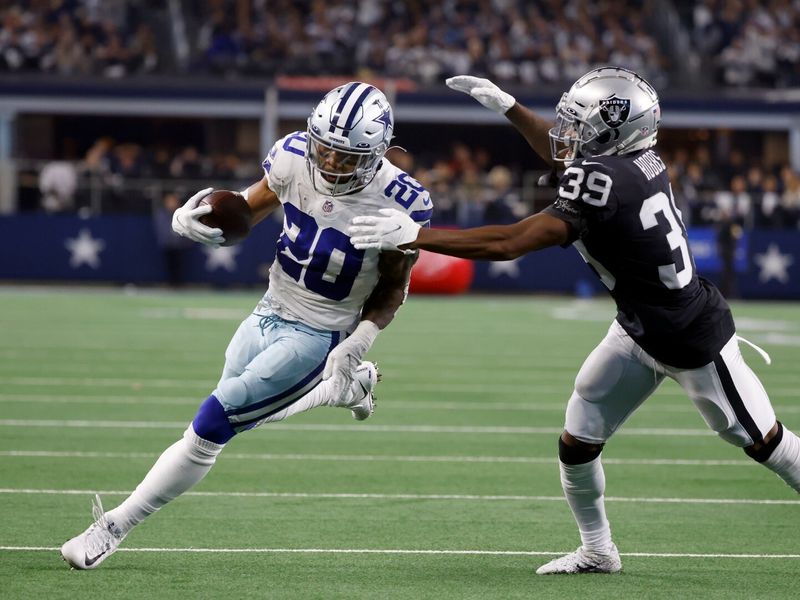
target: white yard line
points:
(551, 460)
(446, 497)
(487, 406)
(457, 429)
(403, 552)
(482, 388)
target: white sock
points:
(584, 486)
(319, 396)
(179, 467)
(785, 460)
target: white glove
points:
(345, 358)
(484, 91)
(185, 221)
(384, 233)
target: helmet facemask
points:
(336, 171)
(568, 135)
(349, 131)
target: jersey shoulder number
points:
(284, 159)
(404, 192)
(586, 181)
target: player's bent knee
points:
(233, 392)
(572, 451)
(211, 424)
(761, 452)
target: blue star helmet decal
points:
(385, 119)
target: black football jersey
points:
(625, 225)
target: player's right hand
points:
(186, 221)
(393, 229)
(484, 91)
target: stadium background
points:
(112, 112)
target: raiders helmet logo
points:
(614, 111)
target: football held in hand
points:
(230, 213)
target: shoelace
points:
(98, 536)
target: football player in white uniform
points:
(303, 344)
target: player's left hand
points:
(388, 232)
(186, 221)
(484, 91)
(340, 367)
(344, 359)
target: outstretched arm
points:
(532, 127)
(495, 242)
(396, 231)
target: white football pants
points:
(619, 375)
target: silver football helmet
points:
(607, 111)
(349, 131)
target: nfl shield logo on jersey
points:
(327, 206)
(614, 111)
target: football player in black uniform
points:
(615, 206)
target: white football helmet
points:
(607, 111)
(348, 133)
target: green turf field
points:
(449, 491)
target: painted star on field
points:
(84, 249)
(509, 268)
(774, 264)
(223, 257)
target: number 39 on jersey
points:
(656, 215)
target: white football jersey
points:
(318, 277)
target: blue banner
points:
(703, 243)
(123, 249)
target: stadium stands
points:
(536, 45)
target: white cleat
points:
(89, 549)
(582, 561)
(365, 379)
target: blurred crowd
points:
(133, 178)
(749, 42)
(517, 41)
(467, 187)
(77, 37)
(526, 42)
(746, 192)
(121, 176)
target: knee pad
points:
(763, 453)
(210, 423)
(578, 455)
(233, 391)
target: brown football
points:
(230, 212)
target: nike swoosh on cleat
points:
(90, 561)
